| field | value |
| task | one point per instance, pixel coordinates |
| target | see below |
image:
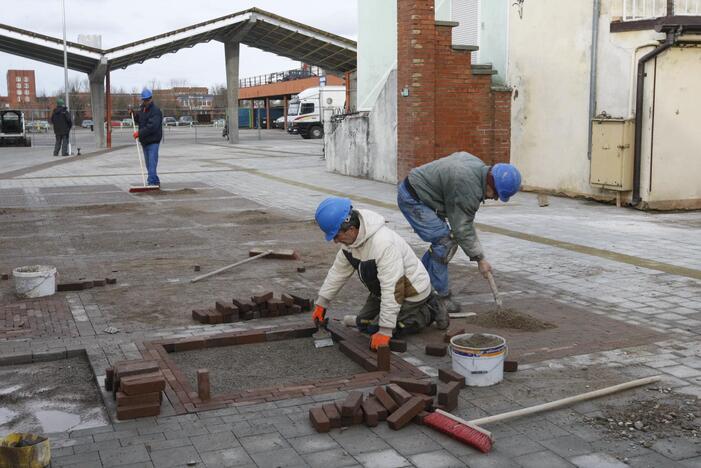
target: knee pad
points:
(444, 249)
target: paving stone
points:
(437, 459)
(681, 372)
(567, 446)
(329, 458)
(218, 441)
(278, 458)
(169, 443)
(124, 456)
(176, 456)
(542, 460)
(359, 439)
(692, 462)
(493, 460)
(411, 444)
(95, 446)
(382, 459)
(597, 460)
(225, 458)
(517, 445)
(264, 443)
(313, 443)
(653, 460)
(677, 448)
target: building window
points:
(687, 7)
(635, 10)
(26, 79)
(26, 99)
(26, 85)
(19, 85)
(19, 79)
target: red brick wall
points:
(448, 108)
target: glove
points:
(136, 134)
(318, 314)
(378, 339)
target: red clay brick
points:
(76, 286)
(98, 282)
(397, 393)
(449, 375)
(143, 383)
(187, 344)
(262, 298)
(243, 306)
(452, 332)
(382, 412)
(305, 304)
(351, 403)
(436, 349)
(428, 401)
(295, 309)
(398, 346)
(203, 388)
(224, 307)
(134, 367)
(287, 299)
(383, 358)
(415, 385)
(110, 280)
(319, 419)
(370, 414)
(385, 399)
(250, 336)
(200, 315)
(405, 413)
(448, 395)
(332, 413)
(141, 399)
(419, 418)
(215, 317)
(138, 411)
(510, 366)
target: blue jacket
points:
(150, 120)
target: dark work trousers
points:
(61, 144)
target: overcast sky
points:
(122, 21)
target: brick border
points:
(185, 399)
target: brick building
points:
(419, 96)
(21, 88)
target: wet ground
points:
(49, 397)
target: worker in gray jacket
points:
(440, 200)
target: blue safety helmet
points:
(146, 94)
(507, 180)
(331, 213)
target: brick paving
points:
(654, 317)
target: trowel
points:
(322, 337)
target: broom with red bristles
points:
(470, 432)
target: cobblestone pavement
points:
(639, 269)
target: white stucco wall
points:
(377, 48)
(493, 27)
(551, 88)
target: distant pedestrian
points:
(61, 120)
(150, 133)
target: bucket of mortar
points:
(481, 366)
(35, 280)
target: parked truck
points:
(314, 106)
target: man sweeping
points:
(440, 200)
(150, 133)
(401, 300)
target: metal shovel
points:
(322, 337)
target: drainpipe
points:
(639, 94)
(592, 70)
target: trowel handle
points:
(493, 285)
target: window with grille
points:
(687, 7)
(634, 10)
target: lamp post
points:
(65, 67)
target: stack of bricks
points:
(137, 387)
(259, 306)
(402, 401)
(80, 285)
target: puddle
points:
(6, 416)
(56, 421)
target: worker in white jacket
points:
(401, 299)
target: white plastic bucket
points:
(480, 366)
(35, 281)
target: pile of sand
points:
(509, 318)
(478, 340)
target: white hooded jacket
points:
(400, 275)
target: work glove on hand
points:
(318, 314)
(136, 134)
(484, 267)
(378, 339)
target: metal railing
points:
(634, 10)
(287, 75)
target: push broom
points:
(143, 187)
(470, 432)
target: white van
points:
(314, 106)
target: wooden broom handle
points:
(228, 267)
(493, 286)
(564, 401)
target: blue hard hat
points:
(146, 94)
(331, 213)
(507, 180)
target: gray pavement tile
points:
(313, 443)
(597, 460)
(620, 448)
(85, 459)
(185, 432)
(160, 427)
(264, 443)
(291, 429)
(115, 435)
(542, 460)
(218, 441)
(124, 456)
(539, 429)
(327, 458)
(491, 460)
(437, 459)
(228, 457)
(278, 458)
(382, 459)
(62, 451)
(142, 439)
(95, 446)
(138, 465)
(359, 439)
(653, 460)
(176, 456)
(169, 443)
(567, 446)
(678, 448)
(414, 443)
(692, 462)
(90, 431)
(516, 446)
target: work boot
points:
(439, 313)
(448, 303)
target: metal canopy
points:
(253, 27)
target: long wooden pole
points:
(228, 267)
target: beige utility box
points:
(612, 153)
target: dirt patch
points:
(246, 367)
(478, 340)
(509, 318)
(646, 420)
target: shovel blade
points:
(322, 339)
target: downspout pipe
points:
(639, 95)
(592, 70)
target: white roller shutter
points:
(466, 12)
